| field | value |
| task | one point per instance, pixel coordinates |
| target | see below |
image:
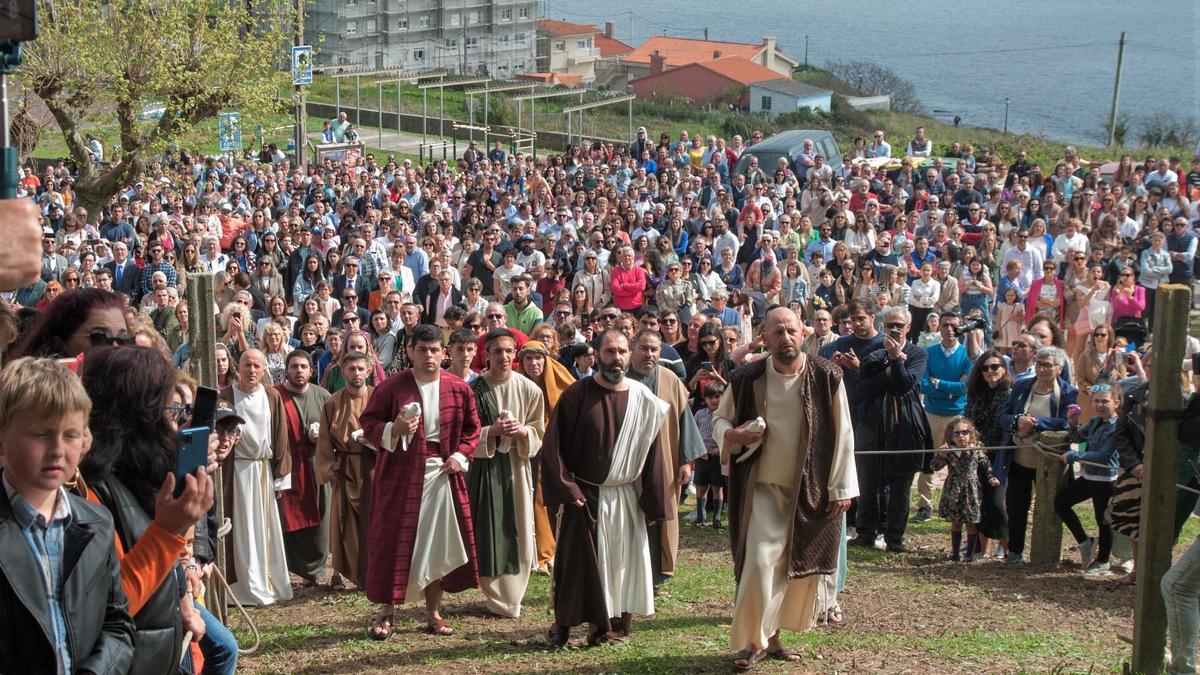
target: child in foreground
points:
(1097, 477)
(961, 504)
(56, 550)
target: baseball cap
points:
(226, 412)
(526, 237)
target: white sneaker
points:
(1097, 569)
(1087, 552)
(879, 543)
(1122, 565)
(691, 489)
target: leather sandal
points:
(745, 659)
(381, 625)
(439, 627)
(784, 654)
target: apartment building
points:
(496, 37)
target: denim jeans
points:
(1181, 593)
(969, 302)
(219, 647)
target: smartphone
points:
(204, 408)
(193, 454)
(894, 334)
(706, 365)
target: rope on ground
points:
(221, 532)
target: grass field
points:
(910, 613)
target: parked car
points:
(790, 144)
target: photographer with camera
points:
(944, 388)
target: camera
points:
(967, 326)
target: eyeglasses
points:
(1097, 388)
(709, 343)
(992, 367)
(182, 411)
(962, 433)
(562, 314)
(608, 317)
(670, 322)
(895, 325)
(350, 319)
(493, 316)
(1017, 344)
(1100, 334)
(100, 337)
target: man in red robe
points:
(419, 537)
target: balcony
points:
(585, 55)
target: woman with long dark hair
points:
(988, 386)
(76, 323)
(136, 415)
(710, 363)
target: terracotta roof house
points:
(579, 49)
(703, 82)
(678, 52)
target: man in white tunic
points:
(500, 480)
(255, 475)
(789, 486)
(603, 464)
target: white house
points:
(784, 95)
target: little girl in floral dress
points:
(962, 453)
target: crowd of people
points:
(457, 375)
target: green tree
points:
(96, 61)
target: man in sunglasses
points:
(494, 318)
(889, 417)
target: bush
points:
(803, 118)
(1165, 129)
(743, 124)
(875, 80)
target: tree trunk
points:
(94, 192)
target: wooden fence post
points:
(1160, 470)
(202, 357)
(1045, 543)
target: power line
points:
(1013, 50)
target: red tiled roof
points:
(739, 69)
(559, 28)
(610, 46)
(683, 51)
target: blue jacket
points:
(1100, 437)
(1014, 407)
(949, 397)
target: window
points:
(351, 3)
(520, 38)
(371, 26)
(766, 103)
(506, 15)
(560, 47)
(402, 24)
(351, 28)
(472, 43)
(473, 16)
(581, 44)
(424, 22)
(523, 13)
(451, 43)
(418, 55)
(455, 19)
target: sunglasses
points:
(709, 343)
(962, 433)
(1097, 388)
(562, 314)
(993, 367)
(608, 317)
(475, 326)
(670, 322)
(896, 325)
(350, 319)
(493, 316)
(100, 337)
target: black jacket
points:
(159, 624)
(890, 416)
(100, 632)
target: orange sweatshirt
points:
(144, 567)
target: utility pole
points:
(706, 33)
(631, 28)
(465, 14)
(1006, 114)
(301, 122)
(806, 52)
(1112, 114)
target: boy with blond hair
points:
(57, 558)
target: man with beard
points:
(789, 485)
(603, 465)
(302, 509)
(552, 378)
(345, 462)
(419, 536)
(679, 440)
(256, 474)
(500, 480)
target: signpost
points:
(229, 128)
(302, 65)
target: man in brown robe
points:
(788, 486)
(345, 462)
(303, 509)
(601, 462)
(681, 445)
(552, 378)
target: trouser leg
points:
(868, 502)
(899, 491)
(1018, 497)
(1077, 491)
(1181, 595)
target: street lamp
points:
(1006, 114)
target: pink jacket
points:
(627, 287)
(1031, 302)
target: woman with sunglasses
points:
(710, 363)
(988, 387)
(77, 323)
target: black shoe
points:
(863, 542)
(716, 524)
(558, 636)
(923, 514)
(897, 548)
